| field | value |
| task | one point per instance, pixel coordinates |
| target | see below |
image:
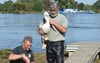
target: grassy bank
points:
(39, 57)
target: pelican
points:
(45, 27)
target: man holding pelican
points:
(56, 35)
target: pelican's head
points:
(46, 14)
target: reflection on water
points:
(13, 27)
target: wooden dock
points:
(83, 52)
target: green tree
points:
(63, 4)
(67, 4)
(23, 1)
(81, 6)
(96, 6)
(7, 7)
(38, 6)
(29, 6)
(19, 7)
(46, 4)
(1, 7)
(87, 7)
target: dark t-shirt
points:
(20, 50)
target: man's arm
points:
(14, 56)
(32, 62)
(58, 26)
(19, 56)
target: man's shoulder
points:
(18, 47)
(18, 50)
(61, 15)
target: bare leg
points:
(43, 45)
(43, 42)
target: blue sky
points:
(79, 1)
(86, 1)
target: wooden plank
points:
(85, 54)
(71, 48)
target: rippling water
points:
(13, 27)
(84, 27)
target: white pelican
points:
(45, 27)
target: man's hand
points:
(25, 58)
(52, 21)
(40, 31)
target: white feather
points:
(45, 26)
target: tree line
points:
(31, 6)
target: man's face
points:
(27, 45)
(53, 12)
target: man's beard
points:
(53, 15)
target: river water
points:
(13, 28)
